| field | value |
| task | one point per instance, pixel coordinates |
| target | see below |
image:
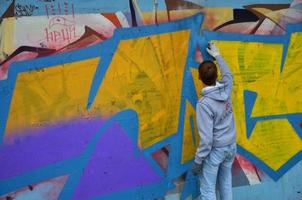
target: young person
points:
(215, 121)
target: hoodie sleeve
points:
(226, 74)
(204, 120)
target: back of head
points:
(208, 72)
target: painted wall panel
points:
(97, 98)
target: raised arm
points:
(226, 74)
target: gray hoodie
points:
(214, 114)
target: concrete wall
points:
(97, 97)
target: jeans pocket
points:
(235, 148)
(215, 157)
(231, 156)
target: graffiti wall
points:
(97, 98)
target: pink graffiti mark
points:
(57, 9)
(198, 55)
(66, 7)
(65, 34)
(300, 124)
(53, 12)
(60, 29)
(72, 10)
(46, 10)
(59, 20)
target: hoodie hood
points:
(216, 92)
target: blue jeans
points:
(217, 167)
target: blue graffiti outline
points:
(67, 166)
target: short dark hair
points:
(207, 72)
